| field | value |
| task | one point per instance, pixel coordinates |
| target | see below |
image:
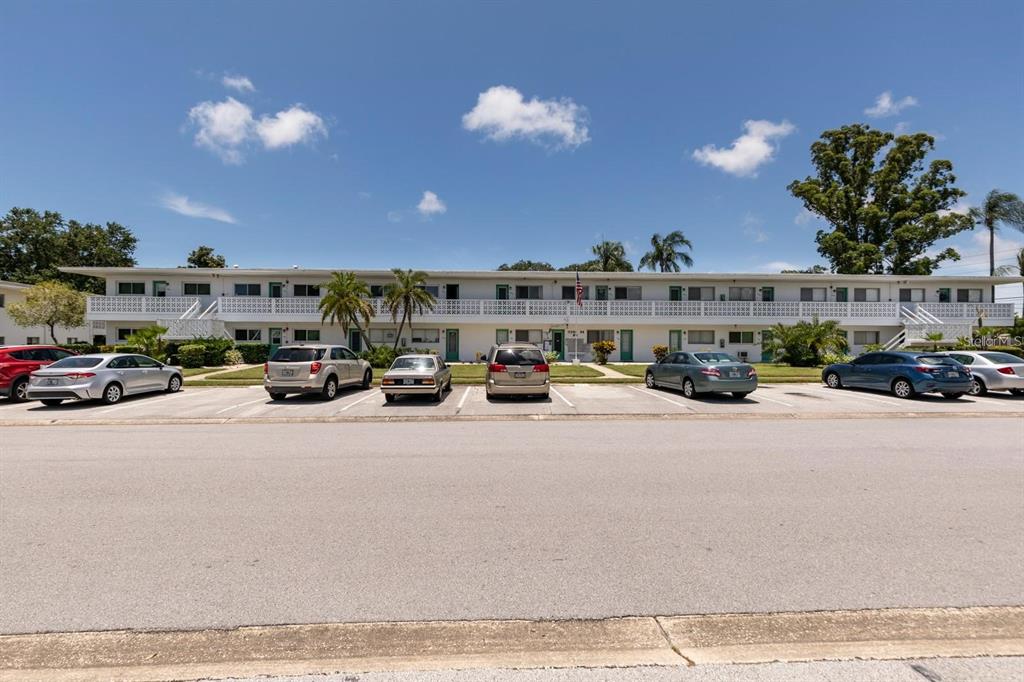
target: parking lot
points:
(251, 403)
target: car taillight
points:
(314, 367)
(428, 382)
(495, 367)
(266, 368)
(79, 375)
(752, 374)
(1006, 370)
(541, 368)
(711, 372)
(927, 370)
(387, 382)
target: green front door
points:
(355, 341)
(451, 345)
(275, 290)
(766, 355)
(767, 293)
(558, 343)
(276, 339)
(626, 345)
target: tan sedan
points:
(416, 375)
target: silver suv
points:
(314, 368)
(517, 369)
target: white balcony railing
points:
(969, 311)
(146, 306)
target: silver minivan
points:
(517, 369)
(314, 368)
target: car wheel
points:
(832, 380)
(901, 388)
(52, 402)
(277, 396)
(436, 395)
(1017, 391)
(952, 396)
(19, 391)
(390, 397)
(978, 387)
(367, 379)
(174, 385)
(449, 385)
(330, 389)
(113, 393)
(688, 388)
(649, 380)
(740, 395)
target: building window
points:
(383, 335)
(701, 293)
(432, 289)
(124, 332)
(812, 293)
(911, 295)
(376, 291)
(530, 292)
(968, 295)
(426, 336)
(702, 336)
(627, 293)
(675, 293)
(306, 334)
(247, 289)
(500, 336)
(131, 288)
(842, 294)
(675, 339)
(741, 293)
(248, 334)
(307, 289)
(72, 339)
(569, 293)
(867, 295)
(595, 335)
(944, 295)
(529, 336)
(195, 289)
(865, 338)
(32, 340)
(741, 337)
(451, 291)
(2, 341)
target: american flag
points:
(579, 290)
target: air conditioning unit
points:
(743, 355)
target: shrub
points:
(602, 349)
(192, 355)
(82, 348)
(253, 353)
(803, 344)
(552, 356)
(660, 351)
(381, 356)
(125, 348)
(830, 358)
(150, 340)
(214, 348)
(233, 357)
(1012, 350)
(107, 348)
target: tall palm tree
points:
(611, 257)
(666, 254)
(407, 295)
(1013, 269)
(346, 302)
(998, 207)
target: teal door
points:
(766, 354)
(626, 345)
(276, 339)
(451, 345)
(355, 341)
(558, 343)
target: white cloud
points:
(805, 217)
(885, 105)
(961, 207)
(237, 83)
(179, 203)
(222, 127)
(289, 127)
(431, 205)
(748, 151)
(503, 114)
(394, 216)
(753, 228)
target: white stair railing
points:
(213, 306)
(896, 341)
(191, 312)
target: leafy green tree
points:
(611, 257)
(346, 302)
(150, 341)
(33, 246)
(586, 266)
(885, 208)
(999, 207)
(49, 304)
(803, 344)
(407, 295)
(813, 270)
(667, 253)
(205, 257)
(526, 265)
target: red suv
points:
(17, 362)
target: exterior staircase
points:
(918, 323)
(194, 323)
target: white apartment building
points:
(474, 310)
(12, 334)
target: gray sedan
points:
(992, 370)
(416, 375)
(694, 373)
(107, 377)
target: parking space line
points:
(760, 397)
(867, 397)
(564, 399)
(356, 402)
(137, 403)
(651, 393)
(462, 400)
(251, 402)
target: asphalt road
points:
(216, 525)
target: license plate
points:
(408, 382)
(734, 375)
(287, 372)
(52, 382)
(953, 375)
(519, 375)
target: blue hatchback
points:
(904, 374)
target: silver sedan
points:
(992, 370)
(106, 376)
(416, 375)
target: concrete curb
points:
(131, 656)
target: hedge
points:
(192, 355)
(253, 353)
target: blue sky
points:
(537, 128)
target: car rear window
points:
(714, 357)
(936, 360)
(519, 356)
(1002, 358)
(413, 363)
(77, 362)
(297, 354)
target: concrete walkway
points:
(221, 370)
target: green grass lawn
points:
(192, 371)
(766, 372)
(248, 373)
(464, 373)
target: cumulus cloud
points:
(179, 203)
(289, 127)
(430, 205)
(501, 113)
(237, 83)
(885, 105)
(748, 151)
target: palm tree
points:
(1014, 269)
(611, 257)
(346, 302)
(667, 253)
(407, 295)
(998, 207)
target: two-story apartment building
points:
(477, 309)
